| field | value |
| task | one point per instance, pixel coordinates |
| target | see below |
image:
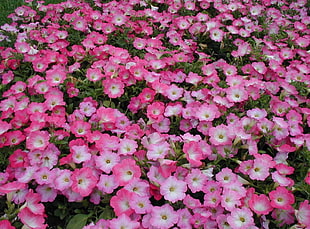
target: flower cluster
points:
(164, 113)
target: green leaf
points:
(107, 213)
(78, 221)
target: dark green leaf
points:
(78, 221)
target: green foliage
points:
(78, 221)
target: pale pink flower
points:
(107, 183)
(106, 161)
(241, 218)
(163, 217)
(63, 180)
(173, 189)
(220, 135)
(196, 180)
(303, 213)
(207, 112)
(157, 151)
(80, 153)
(236, 94)
(216, 34)
(140, 204)
(48, 194)
(123, 222)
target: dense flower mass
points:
(155, 114)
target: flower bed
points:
(155, 114)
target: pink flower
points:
(173, 92)
(123, 221)
(230, 200)
(80, 24)
(303, 213)
(212, 199)
(193, 153)
(18, 159)
(106, 161)
(216, 34)
(5, 224)
(31, 220)
(37, 140)
(127, 147)
(236, 94)
(114, 88)
(241, 218)
(11, 187)
(83, 181)
(139, 43)
(260, 67)
(120, 202)
(173, 189)
(55, 76)
(32, 203)
(105, 115)
(220, 135)
(14, 137)
(155, 111)
(259, 170)
(63, 180)
(80, 153)
(281, 198)
(207, 112)
(44, 176)
(107, 183)
(140, 204)
(157, 151)
(196, 180)
(94, 74)
(163, 217)
(126, 171)
(260, 204)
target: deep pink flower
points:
(281, 198)
(126, 171)
(6, 224)
(83, 181)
